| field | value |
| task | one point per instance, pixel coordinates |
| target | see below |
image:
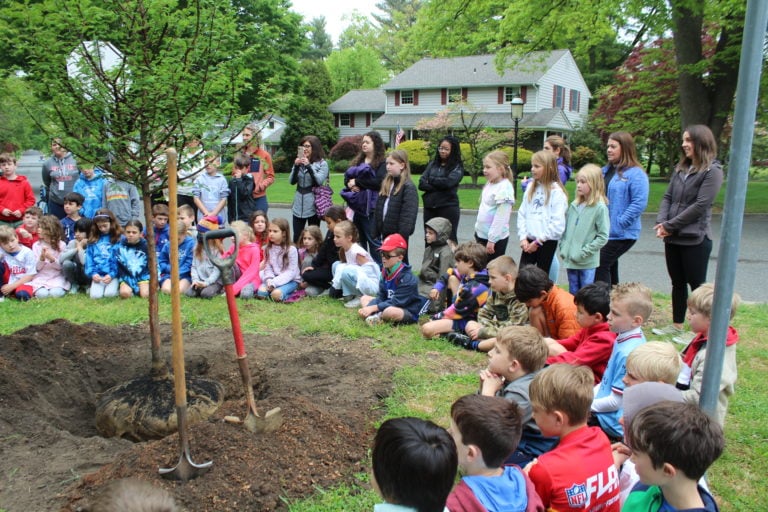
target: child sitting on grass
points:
(413, 465)
(578, 474)
(631, 305)
(17, 266)
(486, 431)
(552, 310)
(673, 445)
(500, 310)
(592, 345)
(398, 301)
(468, 283)
(517, 356)
(692, 374)
(438, 258)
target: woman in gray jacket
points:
(309, 170)
(684, 218)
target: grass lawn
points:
(430, 382)
(469, 197)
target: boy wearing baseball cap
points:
(398, 300)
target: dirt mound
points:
(51, 377)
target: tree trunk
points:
(159, 366)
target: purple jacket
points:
(363, 202)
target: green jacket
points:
(645, 498)
(586, 231)
(500, 310)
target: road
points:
(644, 262)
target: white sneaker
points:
(354, 303)
(664, 331)
(374, 319)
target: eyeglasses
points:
(306, 146)
(386, 256)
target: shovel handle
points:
(224, 264)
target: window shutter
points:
(554, 96)
(415, 98)
(367, 119)
(500, 99)
(523, 91)
(397, 98)
(335, 120)
(443, 96)
(464, 93)
(352, 120)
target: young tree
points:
(176, 72)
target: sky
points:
(334, 11)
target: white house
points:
(270, 128)
(356, 111)
(550, 83)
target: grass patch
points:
(433, 374)
(469, 197)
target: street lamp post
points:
(516, 104)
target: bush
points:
(281, 164)
(418, 155)
(523, 158)
(583, 155)
(347, 148)
(338, 165)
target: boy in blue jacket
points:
(398, 300)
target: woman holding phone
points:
(309, 170)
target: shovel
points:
(185, 469)
(253, 422)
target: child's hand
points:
(621, 453)
(237, 173)
(490, 247)
(473, 331)
(434, 294)
(527, 468)
(367, 311)
(106, 279)
(307, 269)
(96, 278)
(6, 289)
(490, 383)
(24, 233)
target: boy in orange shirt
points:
(552, 310)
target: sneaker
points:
(374, 319)
(335, 293)
(313, 291)
(684, 338)
(459, 339)
(354, 303)
(346, 298)
(73, 289)
(665, 331)
(2, 298)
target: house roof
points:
(360, 100)
(544, 119)
(478, 70)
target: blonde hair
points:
(51, 226)
(636, 297)
(593, 176)
(347, 229)
(505, 265)
(500, 159)
(702, 298)
(524, 344)
(399, 156)
(243, 230)
(565, 388)
(655, 361)
(6, 233)
(550, 176)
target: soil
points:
(52, 375)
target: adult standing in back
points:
(309, 170)
(626, 186)
(440, 184)
(261, 165)
(60, 173)
(685, 214)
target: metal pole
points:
(514, 159)
(738, 173)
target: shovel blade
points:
(264, 425)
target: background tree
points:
(359, 32)
(180, 75)
(307, 112)
(396, 23)
(320, 43)
(16, 130)
(357, 67)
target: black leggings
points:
(499, 249)
(542, 258)
(608, 271)
(298, 226)
(686, 265)
(452, 213)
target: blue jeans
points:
(260, 203)
(285, 290)
(579, 278)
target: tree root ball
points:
(144, 408)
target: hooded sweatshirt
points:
(59, 176)
(692, 373)
(511, 491)
(15, 194)
(92, 190)
(438, 256)
(645, 498)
